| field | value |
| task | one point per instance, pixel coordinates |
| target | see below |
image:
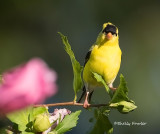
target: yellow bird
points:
(104, 58)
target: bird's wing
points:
(87, 57)
(84, 88)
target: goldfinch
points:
(103, 58)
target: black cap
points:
(110, 28)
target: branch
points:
(69, 104)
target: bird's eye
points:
(110, 28)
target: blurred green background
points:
(29, 29)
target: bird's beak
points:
(109, 36)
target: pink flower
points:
(27, 84)
(58, 115)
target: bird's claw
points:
(86, 105)
(113, 89)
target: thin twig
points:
(69, 104)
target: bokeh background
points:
(29, 29)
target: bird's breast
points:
(104, 60)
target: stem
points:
(69, 104)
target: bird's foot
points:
(113, 89)
(86, 104)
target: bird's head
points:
(109, 33)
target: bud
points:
(41, 123)
(125, 107)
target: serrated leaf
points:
(99, 78)
(21, 118)
(67, 123)
(77, 68)
(120, 98)
(121, 93)
(103, 125)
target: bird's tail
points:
(83, 95)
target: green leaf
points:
(21, 118)
(39, 110)
(67, 123)
(120, 98)
(99, 78)
(121, 93)
(24, 118)
(124, 106)
(77, 68)
(103, 125)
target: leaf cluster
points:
(119, 99)
(24, 121)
